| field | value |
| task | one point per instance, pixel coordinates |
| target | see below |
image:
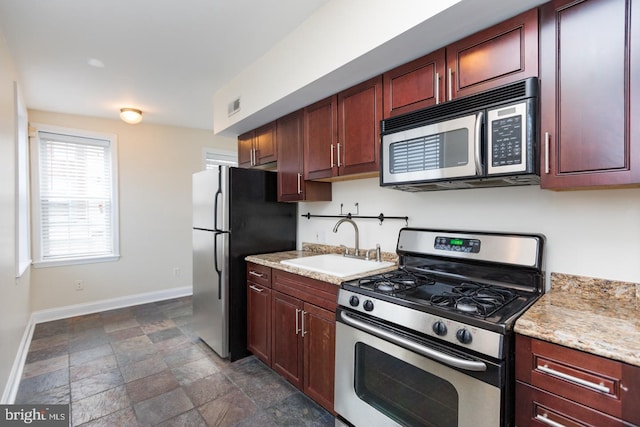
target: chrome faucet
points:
(352, 222)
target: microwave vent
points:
(523, 89)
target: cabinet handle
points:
(338, 154)
(437, 84)
(332, 163)
(255, 288)
(253, 273)
(297, 324)
(544, 420)
(299, 186)
(450, 78)
(303, 331)
(597, 387)
(546, 152)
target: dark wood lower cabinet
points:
(556, 385)
(303, 331)
(319, 349)
(287, 343)
(259, 321)
(292, 328)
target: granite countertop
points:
(597, 316)
(308, 249)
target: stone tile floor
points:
(144, 366)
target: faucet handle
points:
(378, 253)
(346, 250)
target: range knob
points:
(368, 305)
(354, 301)
(464, 336)
(440, 328)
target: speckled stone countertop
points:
(597, 316)
(309, 249)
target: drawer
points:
(535, 407)
(596, 382)
(259, 274)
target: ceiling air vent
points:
(233, 107)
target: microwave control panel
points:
(508, 147)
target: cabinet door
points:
(590, 93)
(289, 134)
(359, 115)
(504, 53)
(319, 336)
(415, 85)
(265, 144)
(286, 344)
(259, 321)
(245, 150)
(291, 183)
(320, 135)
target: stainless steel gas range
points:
(431, 343)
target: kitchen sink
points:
(336, 265)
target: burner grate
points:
(474, 298)
(394, 282)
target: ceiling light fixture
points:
(131, 115)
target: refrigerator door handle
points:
(215, 260)
(215, 203)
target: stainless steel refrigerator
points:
(235, 214)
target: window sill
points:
(75, 261)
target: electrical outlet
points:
(79, 285)
(177, 271)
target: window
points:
(75, 195)
(213, 158)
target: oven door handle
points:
(469, 365)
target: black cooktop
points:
(458, 298)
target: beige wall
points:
(14, 293)
(155, 164)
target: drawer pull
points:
(598, 387)
(544, 420)
(255, 288)
(253, 273)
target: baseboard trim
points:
(13, 382)
(50, 314)
(40, 316)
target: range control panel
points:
(455, 244)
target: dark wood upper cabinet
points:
(258, 147)
(415, 85)
(342, 133)
(590, 94)
(502, 54)
(245, 149)
(320, 138)
(359, 115)
(292, 186)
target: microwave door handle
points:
(469, 365)
(478, 144)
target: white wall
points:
(344, 43)
(14, 293)
(155, 164)
(591, 233)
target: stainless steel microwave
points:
(483, 140)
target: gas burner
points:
(473, 298)
(394, 282)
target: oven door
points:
(448, 149)
(380, 382)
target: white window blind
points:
(76, 197)
(212, 159)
